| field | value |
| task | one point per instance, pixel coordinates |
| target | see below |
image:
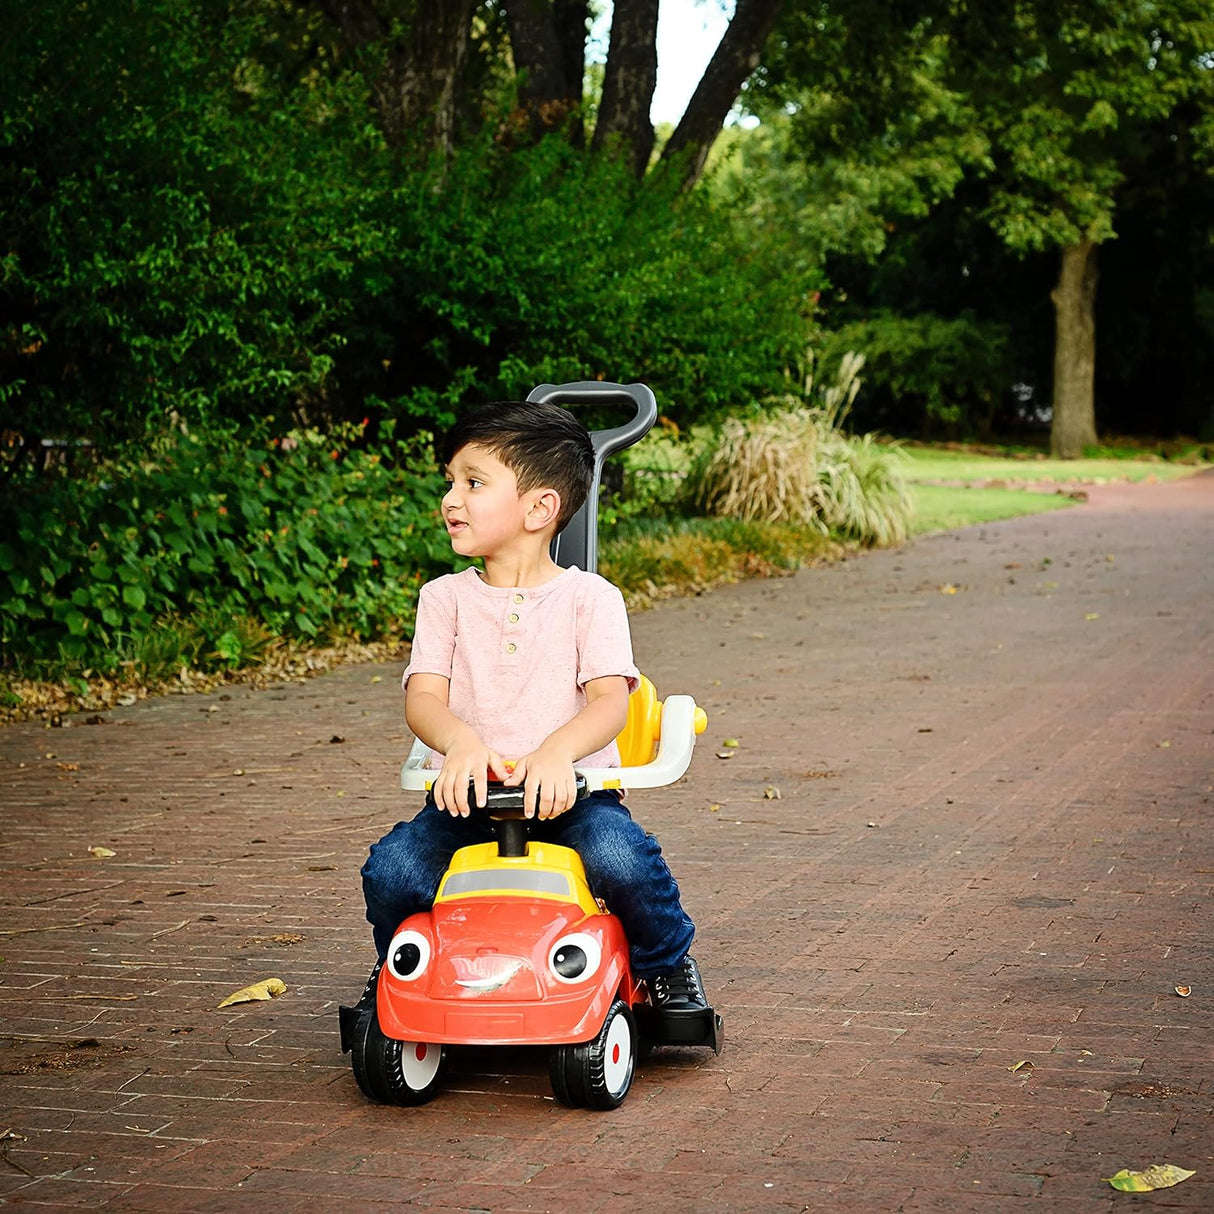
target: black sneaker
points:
(678, 1012)
(681, 990)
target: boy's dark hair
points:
(544, 445)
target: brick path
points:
(991, 845)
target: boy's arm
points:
(547, 772)
(466, 757)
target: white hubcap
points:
(617, 1063)
(419, 1062)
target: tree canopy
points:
(1056, 108)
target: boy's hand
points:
(548, 780)
(469, 761)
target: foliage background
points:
(235, 302)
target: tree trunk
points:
(422, 44)
(623, 126)
(732, 64)
(1074, 424)
(548, 42)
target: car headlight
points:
(575, 958)
(408, 955)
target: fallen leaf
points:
(949, 588)
(1165, 744)
(714, 809)
(1092, 615)
(1184, 991)
(1157, 1176)
(731, 742)
(267, 988)
(377, 678)
(238, 772)
(1023, 1064)
(101, 853)
(725, 754)
(771, 793)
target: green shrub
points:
(179, 231)
(216, 237)
(927, 373)
(210, 549)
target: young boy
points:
(518, 672)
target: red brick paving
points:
(991, 844)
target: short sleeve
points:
(433, 647)
(604, 638)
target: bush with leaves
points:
(541, 264)
(222, 235)
(179, 228)
(927, 374)
(306, 536)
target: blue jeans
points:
(624, 866)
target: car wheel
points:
(597, 1074)
(392, 1071)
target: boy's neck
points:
(520, 569)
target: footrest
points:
(347, 1019)
(699, 1028)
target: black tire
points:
(597, 1074)
(391, 1071)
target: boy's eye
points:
(473, 483)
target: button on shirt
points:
(518, 658)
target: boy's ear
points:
(544, 510)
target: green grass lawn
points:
(959, 488)
(947, 507)
(946, 464)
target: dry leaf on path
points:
(1023, 1065)
(1157, 1176)
(101, 853)
(1184, 991)
(268, 988)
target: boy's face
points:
(482, 507)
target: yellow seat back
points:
(638, 740)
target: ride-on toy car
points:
(516, 949)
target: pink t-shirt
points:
(518, 658)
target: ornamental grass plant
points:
(794, 463)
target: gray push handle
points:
(578, 543)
